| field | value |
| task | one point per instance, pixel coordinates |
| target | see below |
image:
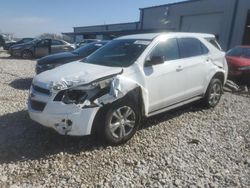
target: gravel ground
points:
(187, 147)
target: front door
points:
(42, 48)
(166, 82)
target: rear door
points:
(196, 63)
(58, 46)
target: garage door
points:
(204, 23)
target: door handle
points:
(208, 59)
(179, 68)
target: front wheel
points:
(213, 93)
(121, 122)
(27, 54)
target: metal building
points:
(229, 20)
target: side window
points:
(168, 49)
(191, 47)
(27, 40)
(56, 42)
(43, 43)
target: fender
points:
(120, 87)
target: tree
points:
(54, 36)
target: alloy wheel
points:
(122, 122)
(215, 94)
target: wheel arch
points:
(134, 95)
(220, 76)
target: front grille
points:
(37, 105)
(41, 90)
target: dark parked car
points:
(52, 61)
(2, 41)
(9, 44)
(40, 48)
(86, 41)
(238, 60)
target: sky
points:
(30, 18)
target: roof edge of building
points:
(169, 4)
(137, 22)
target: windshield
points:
(239, 52)
(118, 53)
(88, 49)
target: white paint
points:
(163, 86)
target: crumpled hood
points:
(77, 72)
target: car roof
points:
(151, 36)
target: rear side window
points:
(214, 43)
(168, 49)
(56, 42)
(27, 40)
(191, 47)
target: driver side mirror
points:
(154, 60)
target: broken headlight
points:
(84, 94)
(71, 96)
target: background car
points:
(11, 43)
(238, 60)
(55, 60)
(86, 41)
(2, 41)
(40, 48)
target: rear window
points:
(239, 52)
(214, 43)
(191, 47)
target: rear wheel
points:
(213, 93)
(27, 54)
(121, 122)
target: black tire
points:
(111, 137)
(213, 93)
(27, 54)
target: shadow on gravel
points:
(165, 116)
(22, 139)
(8, 56)
(21, 83)
(243, 80)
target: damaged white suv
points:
(130, 78)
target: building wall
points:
(118, 27)
(209, 16)
(224, 18)
(90, 29)
(240, 22)
(108, 27)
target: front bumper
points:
(66, 119)
(16, 53)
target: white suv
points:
(130, 78)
